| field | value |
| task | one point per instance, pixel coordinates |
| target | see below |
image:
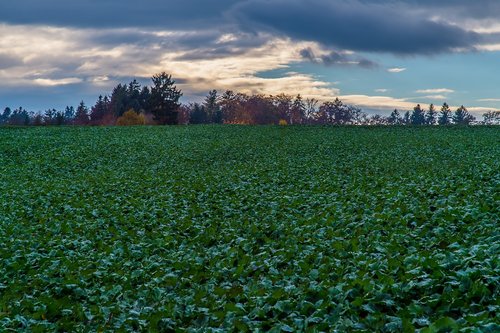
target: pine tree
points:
(395, 118)
(69, 114)
(212, 107)
(407, 118)
(444, 115)
(418, 116)
(164, 99)
(462, 116)
(298, 112)
(430, 116)
(82, 114)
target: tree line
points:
(133, 104)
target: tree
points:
(229, 106)
(198, 114)
(100, 113)
(184, 114)
(377, 119)
(164, 101)
(59, 118)
(491, 118)
(212, 108)
(5, 116)
(82, 114)
(19, 117)
(430, 115)
(283, 105)
(118, 102)
(395, 118)
(418, 116)
(357, 116)
(407, 118)
(258, 109)
(69, 114)
(298, 111)
(462, 116)
(49, 116)
(332, 112)
(444, 115)
(38, 120)
(311, 110)
(133, 95)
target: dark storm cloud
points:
(399, 27)
(187, 14)
(355, 25)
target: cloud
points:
(331, 58)
(435, 97)
(381, 103)
(396, 70)
(399, 27)
(355, 25)
(57, 82)
(381, 90)
(157, 14)
(95, 61)
(435, 91)
(8, 61)
(385, 104)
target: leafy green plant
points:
(221, 228)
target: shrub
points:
(131, 118)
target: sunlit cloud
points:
(435, 91)
(436, 97)
(57, 82)
(94, 59)
(378, 102)
(489, 100)
(98, 60)
(396, 70)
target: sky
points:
(375, 54)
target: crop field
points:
(241, 228)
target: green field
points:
(221, 228)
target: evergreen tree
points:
(395, 118)
(462, 116)
(38, 120)
(100, 111)
(19, 117)
(5, 116)
(407, 118)
(164, 99)
(444, 115)
(144, 99)
(198, 114)
(69, 114)
(119, 100)
(82, 114)
(430, 116)
(49, 116)
(212, 108)
(418, 116)
(298, 112)
(59, 118)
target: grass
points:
(222, 228)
